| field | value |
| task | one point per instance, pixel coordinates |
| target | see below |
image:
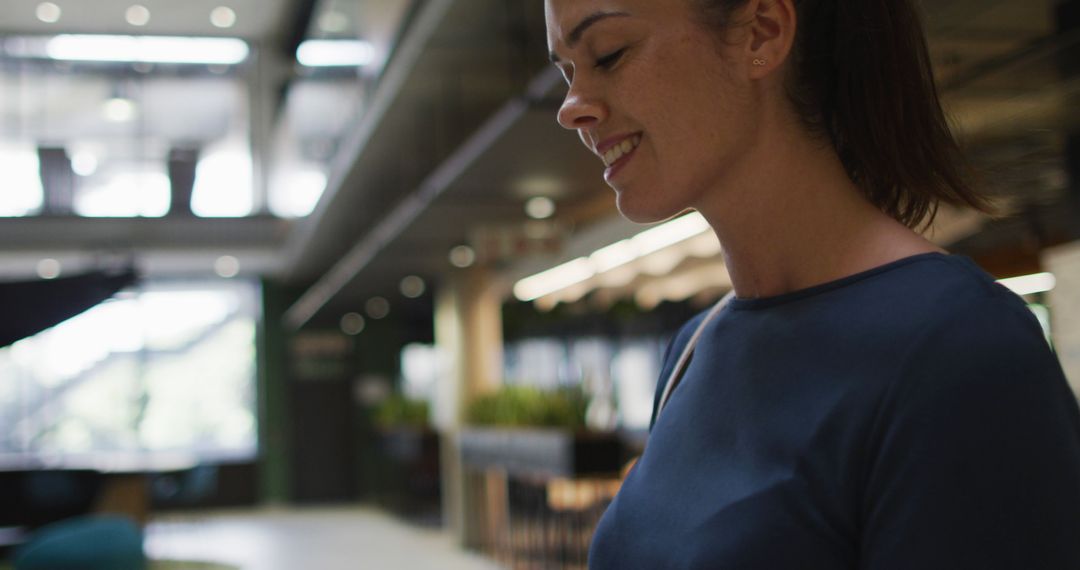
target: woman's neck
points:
(789, 218)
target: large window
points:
(169, 367)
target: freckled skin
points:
(675, 83)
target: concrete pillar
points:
(468, 334)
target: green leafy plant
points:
(399, 411)
(518, 406)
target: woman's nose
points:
(580, 110)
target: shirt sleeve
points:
(974, 459)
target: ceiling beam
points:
(88, 234)
(405, 213)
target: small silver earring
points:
(759, 62)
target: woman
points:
(866, 400)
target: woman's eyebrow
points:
(579, 30)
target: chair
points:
(84, 543)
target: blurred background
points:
(322, 284)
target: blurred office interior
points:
(322, 284)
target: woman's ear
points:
(772, 33)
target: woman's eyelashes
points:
(609, 60)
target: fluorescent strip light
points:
(670, 233)
(335, 53)
(614, 255)
(610, 257)
(148, 49)
(1029, 284)
(554, 279)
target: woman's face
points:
(656, 95)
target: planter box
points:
(540, 452)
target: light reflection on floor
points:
(322, 538)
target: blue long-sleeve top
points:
(909, 417)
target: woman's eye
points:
(609, 60)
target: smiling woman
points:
(864, 399)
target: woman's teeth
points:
(616, 152)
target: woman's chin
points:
(644, 213)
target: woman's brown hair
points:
(861, 75)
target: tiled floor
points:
(315, 539)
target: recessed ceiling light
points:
(48, 12)
(223, 17)
(377, 307)
(412, 287)
(540, 207)
(462, 256)
(227, 266)
(48, 268)
(352, 324)
(137, 15)
(120, 110)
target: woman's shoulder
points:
(961, 304)
(978, 337)
(948, 314)
(928, 301)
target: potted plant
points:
(528, 431)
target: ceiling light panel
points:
(148, 49)
(334, 53)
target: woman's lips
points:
(610, 152)
(622, 154)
